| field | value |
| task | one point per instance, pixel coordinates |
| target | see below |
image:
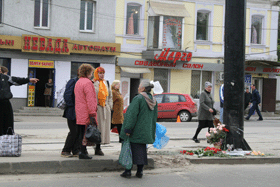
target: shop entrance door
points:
(269, 95)
(125, 91)
(43, 75)
(134, 85)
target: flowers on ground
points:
(217, 133)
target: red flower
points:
(225, 129)
(184, 151)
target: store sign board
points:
(49, 44)
(100, 48)
(57, 45)
(173, 56)
(41, 64)
(10, 42)
(132, 62)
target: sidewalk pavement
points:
(42, 148)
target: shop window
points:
(1, 10)
(171, 33)
(132, 19)
(76, 65)
(41, 13)
(198, 81)
(162, 75)
(87, 15)
(153, 34)
(7, 63)
(256, 29)
(202, 25)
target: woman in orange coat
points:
(85, 103)
(117, 118)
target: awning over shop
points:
(262, 62)
(135, 70)
(168, 9)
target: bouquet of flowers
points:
(217, 134)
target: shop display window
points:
(76, 65)
(198, 81)
(41, 13)
(171, 33)
(87, 15)
(202, 25)
(132, 19)
(256, 29)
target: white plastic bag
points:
(157, 87)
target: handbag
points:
(125, 158)
(10, 145)
(93, 134)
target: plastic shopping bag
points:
(161, 139)
(125, 158)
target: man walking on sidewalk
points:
(256, 100)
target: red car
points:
(170, 105)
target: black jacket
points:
(247, 97)
(6, 82)
(256, 97)
(69, 98)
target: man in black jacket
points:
(256, 100)
(6, 110)
(72, 143)
(247, 98)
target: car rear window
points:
(182, 98)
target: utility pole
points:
(235, 24)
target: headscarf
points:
(103, 92)
(208, 84)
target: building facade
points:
(49, 39)
(154, 34)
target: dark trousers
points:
(252, 109)
(72, 143)
(47, 100)
(119, 127)
(245, 105)
(6, 117)
(203, 124)
(81, 131)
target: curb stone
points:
(65, 166)
(232, 161)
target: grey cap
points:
(208, 84)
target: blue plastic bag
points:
(125, 158)
(161, 139)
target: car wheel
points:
(185, 116)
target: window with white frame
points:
(1, 10)
(198, 81)
(202, 25)
(162, 75)
(133, 19)
(87, 15)
(41, 13)
(256, 29)
(171, 32)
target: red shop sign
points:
(174, 56)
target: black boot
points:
(139, 172)
(84, 156)
(126, 174)
(98, 150)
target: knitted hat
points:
(208, 84)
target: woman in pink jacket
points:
(85, 104)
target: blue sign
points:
(248, 79)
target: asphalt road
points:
(192, 175)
